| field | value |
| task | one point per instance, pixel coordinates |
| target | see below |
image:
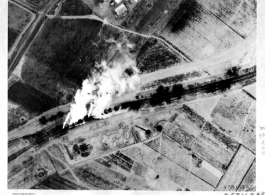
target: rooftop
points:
(120, 10)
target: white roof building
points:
(120, 10)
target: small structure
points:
(121, 10)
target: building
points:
(121, 10)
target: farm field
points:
(239, 167)
(153, 160)
(231, 111)
(204, 107)
(156, 95)
(195, 165)
(249, 181)
(248, 134)
(193, 132)
(31, 170)
(156, 18)
(157, 56)
(107, 154)
(239, 15)
(251, 89)
(30, 99)
(192, 26)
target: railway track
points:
(197, 89)
(205, 87)
(43, 140)
(233, 80)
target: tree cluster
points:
(43, 120)
(133, 105)
(164, 94)
(222, 86)
(233, 71)
(83, 149)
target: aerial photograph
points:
(132, 95)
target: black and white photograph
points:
(146, 95)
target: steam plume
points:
(108, 81)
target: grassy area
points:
(75, 7)
(150, 16)
(18, 19)
(30, 99)
(198, 33)
(137, 14)
(70, 48)
(155, 56)
(12, 36)
(38, 3)
(45, 80)
(188, 12)
(17, 117)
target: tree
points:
(162, 94)
(129, 71)
(233, 71)
(157, 97)
(69, 97)
(60, 114)
(148, 133)
(79, 121)
(76, 149)
(159, 128)
(43, 120)
(160, 90)
(116, 108)
(224, 167)
(86, 118)
(136, 105)
(83, 147)
(166, 91)
(177, 90)
(105, 147)
(105, 111)
(168, 100)
(223, 85)
(154, 100)
(212, 88)
(85, 154)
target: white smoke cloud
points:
(108, 81)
